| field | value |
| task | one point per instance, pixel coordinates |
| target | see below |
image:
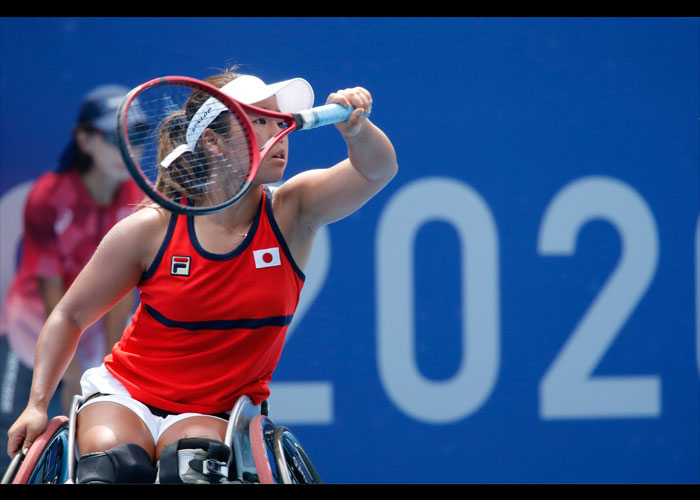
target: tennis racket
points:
(192, 149)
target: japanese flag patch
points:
(268, 257)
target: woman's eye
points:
(262, 121)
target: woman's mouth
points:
(278, 156)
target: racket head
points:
(189, 146)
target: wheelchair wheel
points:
(47, 459)
(278, 455)
(260, 432)
(292, 461)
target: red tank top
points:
(209, 327)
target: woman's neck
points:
(238, 217)
(101, 187)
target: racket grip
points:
(322, 115)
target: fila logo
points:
(180, 265)
(268, 257)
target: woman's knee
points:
(115, 446)
(200, 441)
(103, 426)
(195, 427)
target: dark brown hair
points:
(172, 133)
(82, 161)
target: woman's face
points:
(226, 146)
(273, 165)
(105, 154)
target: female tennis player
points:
(217, 293)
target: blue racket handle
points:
(322, 115)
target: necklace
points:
(242, 235)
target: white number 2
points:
(569, 389)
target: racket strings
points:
(210, 171)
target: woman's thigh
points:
(201, 426)
(104, 425)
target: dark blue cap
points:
(98, 109)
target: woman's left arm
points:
(328, 195)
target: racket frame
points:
(303, 120)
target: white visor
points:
(292, 96)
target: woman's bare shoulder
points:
(143, 221)
(140, 234)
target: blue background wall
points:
(521, 303)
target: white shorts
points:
(99, 380)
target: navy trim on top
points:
(163, 246)
(222, 324)
(224, 256)
(278, 234)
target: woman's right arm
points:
(114, 269)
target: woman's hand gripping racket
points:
(192, 148)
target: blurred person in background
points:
(67, 213)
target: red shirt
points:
(209, 327)
(62, 227)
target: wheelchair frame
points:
(261, 452)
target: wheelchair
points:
(261, 452)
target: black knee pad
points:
(126, 463)
(194, 460)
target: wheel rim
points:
(292, 461)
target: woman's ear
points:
(211, 141)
